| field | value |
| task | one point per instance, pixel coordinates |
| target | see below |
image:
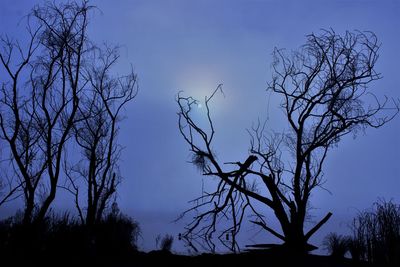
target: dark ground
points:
(244, 259)
(160, 258)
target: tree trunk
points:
(296, 242)
(29, 206)
(90, 215)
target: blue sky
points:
(195, 45)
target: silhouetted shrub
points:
(53, 235)
(166, 243)
(117, 232)
(60, 236)
(336, 245)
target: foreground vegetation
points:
(375, 237)
(113, 242)
(62, 238)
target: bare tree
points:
(41, 97)
(376, 234)
(96, 131)
(325, 96)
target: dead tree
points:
(95, 133)
(325, 96)
(40, 98)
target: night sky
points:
(192, 46)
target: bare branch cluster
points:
(325, 96)
(95, 132)
(58, 90)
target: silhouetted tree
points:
(377, 234)
(96, 131)
(325, 96)
(40, 99)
